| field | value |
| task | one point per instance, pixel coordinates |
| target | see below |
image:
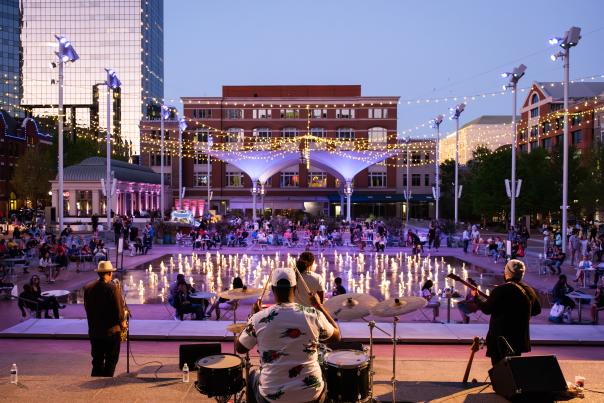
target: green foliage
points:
(35, 168)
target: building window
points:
(345, 134)
(547, 143)
(534, 131)
(234, 179)
(534, 112)
(416, 158)
(84, 203)
(235, 135)
(203, 135)
(427, 156)
(344, 113)
(289, 132)
(377, 179)
(556, 107)
(156, 160)
(534, 144)
(534, 99)
(261, 114)
(404, 179)
(575, 120)
(427, 180)
(377, 113)
(577, 137)
(317, 132)
(546, 127)
(559, 140)
(202, 113)
(522, 148)
(319, 113)
(317, 179)
(234, 114)
(522, 134)
(200, 179)
(378, 135)
(290, 179)
(559, 123)
(290, 113)
(262, 134)
(200, 159)
(416, 179)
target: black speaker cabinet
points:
(536, 378)
(190, 353)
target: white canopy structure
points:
(261, 165)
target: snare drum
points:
(347, 376)
(219, 375)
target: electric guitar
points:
(455, 277)
(476, 344)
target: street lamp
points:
(112, 83)
(514, 77)
(164, 113)
(66, 53)
(455, 113)
(407, 191)
(435, 123)
(570, 39)
(182, 126)
(208, 175)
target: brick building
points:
(258, 116)
(16, 136)
(542, 115)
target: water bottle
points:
(14, 374)
(185, 373)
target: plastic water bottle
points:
(14, 374)
(185, 373)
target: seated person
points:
(468, 305)
(561, 288)
(597, 303)
(492, 249)
(584, 264)
(100, 253)
(223, 303)
(216, 240)
(147, 242)
(32, 298)
(555, 262)
(45, 265)
(338, 289)
(181, 299)
(287, 336)
(428, 295)
(138, 246)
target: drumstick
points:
(302, 280)
(270, 274)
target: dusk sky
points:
(412, 49)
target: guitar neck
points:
(467, 284)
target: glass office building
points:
(125, 35)
(10, 57)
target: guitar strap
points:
(523, 291)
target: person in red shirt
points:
(61, 259)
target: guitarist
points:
(511, 306)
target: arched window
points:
(534, 99)
(378, 135)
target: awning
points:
(382, 198)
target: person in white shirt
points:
(287, 336)
(465, 237)
(316, 284)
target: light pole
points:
(112, 83)
(570, 39)
(164, 113)
(514, 77)
(182, 126)
(455, 113)
(208, 175)
(407, 188)
(66, 53)
(348, 194)
(436, 125)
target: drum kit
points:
(348, 373)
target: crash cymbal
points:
(236, 327)
(398, 306)
(350, 306)
(241, 293)
(202, 295)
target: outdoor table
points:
(56, 293)
(579, 297)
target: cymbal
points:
(202, 295)
(241, 293)
(398, 306)
(350, 306)
(236, 327)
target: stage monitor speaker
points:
(536, 378)
(190, 353)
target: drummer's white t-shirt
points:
(287, 336)
(315, 284)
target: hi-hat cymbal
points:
(241, 293)
(350, 306)
(236, 327)
(398, 306)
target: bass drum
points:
(219, 375)
(347, 376)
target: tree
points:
(35, 168)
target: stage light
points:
(66, 52)
(112, 81)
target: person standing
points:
(511, 306)
(316, 284)
(574, 243)
(105, 311)
(465, 237)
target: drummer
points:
(306, 266)
(287, 335)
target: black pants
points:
(105, 354)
